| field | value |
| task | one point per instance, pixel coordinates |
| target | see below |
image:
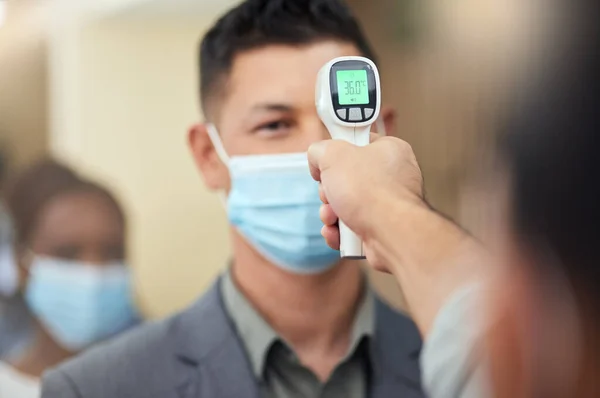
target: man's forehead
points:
(313, 55)
(279, 69)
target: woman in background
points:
(15, 320)
(70, 250)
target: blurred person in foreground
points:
(69, 248)
(288, 319)
(529, 326)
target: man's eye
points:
(275, 127)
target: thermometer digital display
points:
(353, 87)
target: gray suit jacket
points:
(197, 354)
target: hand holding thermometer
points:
(348, 100)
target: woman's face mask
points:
(80, 304)
(274, 204)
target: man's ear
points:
(388, 116)
(213, 170)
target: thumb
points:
(322, 154)
(316, 153)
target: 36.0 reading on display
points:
(353, 87)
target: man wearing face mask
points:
(288, 318)
(15, 324)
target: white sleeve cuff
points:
(451, 363)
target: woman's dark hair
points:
(552, 150)
(31, 191)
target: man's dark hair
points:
(258, 23)
(552, 150)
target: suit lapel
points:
(395, 351)
(208, 347)
(228, 375)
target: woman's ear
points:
(213, 170)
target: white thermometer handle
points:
(351, 246)
(348, 117)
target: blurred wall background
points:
(126, 94)
(110, 87)
(23, 81)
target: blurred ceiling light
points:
(2, 12)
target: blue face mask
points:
(80, 304)
(274, 203)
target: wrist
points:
(385, 209)
(429, 255)
(376, 220)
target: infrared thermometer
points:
(348, 100)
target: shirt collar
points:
(364, 323)
(258, 336)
